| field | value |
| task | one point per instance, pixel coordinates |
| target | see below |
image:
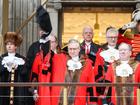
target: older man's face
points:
(111, 39)
(88, 34)
(124, 52)
(73, 49)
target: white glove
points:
(35, 96)
(129, 25)
(10, 65)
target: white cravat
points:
(44, 40)
(124, 69)
(110, 55)
(74, 64)
(12, 60)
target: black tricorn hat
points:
(43, 19)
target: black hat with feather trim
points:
(43, 19)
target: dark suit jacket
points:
(33, 50)
(20, 76)
(93, 50)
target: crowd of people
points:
(84, 62)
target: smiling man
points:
(125, 70)
(71, 68)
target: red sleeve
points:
(91, 91)
(92, 80)
(137, 77)
(58, 75)
(59, 63)
(90, 74)
(99, 61)
(109, 74)
(35, 67)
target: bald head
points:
(87, 33)
(87, 27)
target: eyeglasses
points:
(73, 48)
(115, 37)
(124, 49)
(88, 32)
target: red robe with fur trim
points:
(100, 70)
(61, 74)
(120, 91)
(39, 65)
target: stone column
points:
(53, 8)
(138, 4)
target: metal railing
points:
(26, 84)
(65, 85)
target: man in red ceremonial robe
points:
(125, 70)
(41, 73)
(41, 68)
(104, 57)
(71, 68)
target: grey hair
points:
(129, 46)
(73, 41)
(111, 30)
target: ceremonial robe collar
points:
(75, 63)
(125, 68)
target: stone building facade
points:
(64, 16)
